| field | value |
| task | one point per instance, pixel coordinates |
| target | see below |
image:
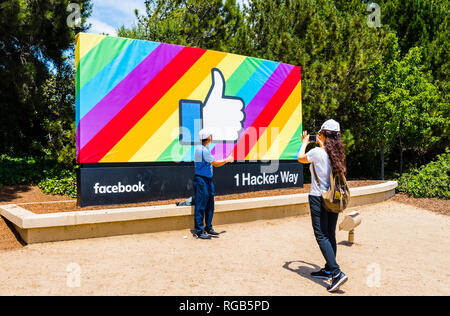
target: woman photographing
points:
(328, 157)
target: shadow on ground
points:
(194, 235)
(9, 237)
(9, 193)
(345, 243)
(304, 270)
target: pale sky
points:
(108, 15)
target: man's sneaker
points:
(337, 282)
(322, 274)
(212, 232)
(202, 235)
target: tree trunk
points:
(382, 160)
(401, 155)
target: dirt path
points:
(400, 250)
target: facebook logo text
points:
(118, 188)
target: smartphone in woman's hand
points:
(312, 138)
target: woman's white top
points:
(321, 161)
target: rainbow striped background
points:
(128, 92)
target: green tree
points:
(404, 109)
(210, 24)
(417, 23)
(423, 23)
(343, 63)
(59, 125)
(336, 50)
(35, 42)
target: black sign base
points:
(108, 184)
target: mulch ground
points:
(435, 205)
(25, 194)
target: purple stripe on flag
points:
(221, 149)
(77, 142)
(125, 91)
(258, 103)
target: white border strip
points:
(28, 220)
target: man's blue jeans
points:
(324, 225)
(204, 203)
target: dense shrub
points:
(51, 176)
(28, 170)
(60, 186)
(429, 181)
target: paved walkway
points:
(400, 250)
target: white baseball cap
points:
(204, 134)
(331, 125)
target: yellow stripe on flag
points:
(276, 137)
(127, 147)
(77, 50)
(165, 135)
(86, 42)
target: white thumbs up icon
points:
(222, 115)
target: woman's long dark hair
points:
(335, 149)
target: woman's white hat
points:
(331, 125)
(204, 134)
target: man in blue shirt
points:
(204, 186)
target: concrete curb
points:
(36, 228)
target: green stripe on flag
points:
(174, 152)
(239, 78)
(100, 56)
(291, 150)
